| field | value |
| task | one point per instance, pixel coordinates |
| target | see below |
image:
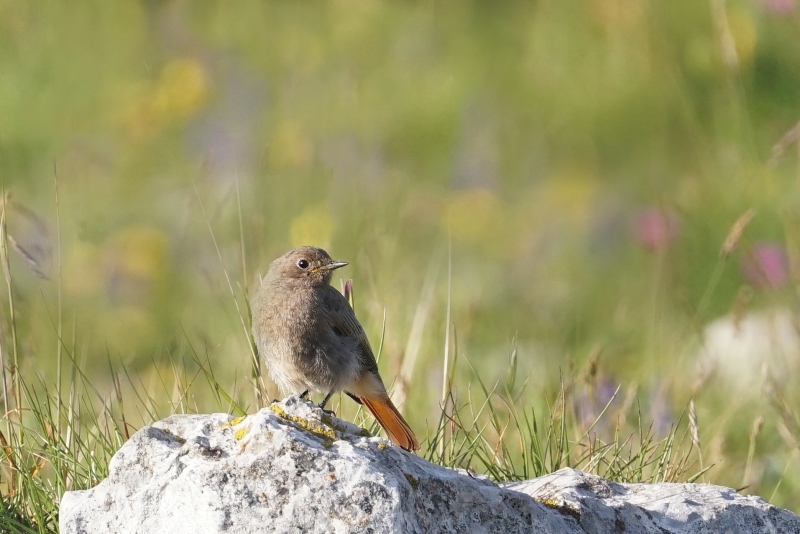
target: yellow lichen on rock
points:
(315, 428)
(328, 420)
(559, 505)
(233, 422)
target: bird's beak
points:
(334, 265)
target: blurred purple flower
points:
(766, 266)
(591, 401)
(656, 228)
(777, 8)
(660, 412)
(605, 391)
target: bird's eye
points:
(303, 264)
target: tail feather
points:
(392, 422)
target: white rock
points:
(290, 468)
(604, 506)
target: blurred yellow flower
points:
(138, 252)
(289, 146)
(745, 35)
(182, 89)
(314, 226)
(473, 216)
(179, 93)
(129, 262)
(568, 196)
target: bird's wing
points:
(344, 323)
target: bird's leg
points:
(304, 395)
(358, 401)
(325, 401)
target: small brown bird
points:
(310, 338)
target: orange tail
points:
(392, 422)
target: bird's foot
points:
(330, 413)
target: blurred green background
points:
(580, 163)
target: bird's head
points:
(305, 264)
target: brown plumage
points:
(310, 338)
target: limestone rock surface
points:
(291, 468)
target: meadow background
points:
(557, 178)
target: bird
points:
(309, 337)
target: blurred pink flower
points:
(776, 8)
(656, 228)
(766, 265)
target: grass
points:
(52, 445)
(58, 440)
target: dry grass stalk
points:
(693, 426)
(593, 366)
(30, 218)
(726, 41)
(735, 233)
(789, 138)
(414, 343)
(34, 265)
(347, 291)
(754, 432)
(8, 451)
